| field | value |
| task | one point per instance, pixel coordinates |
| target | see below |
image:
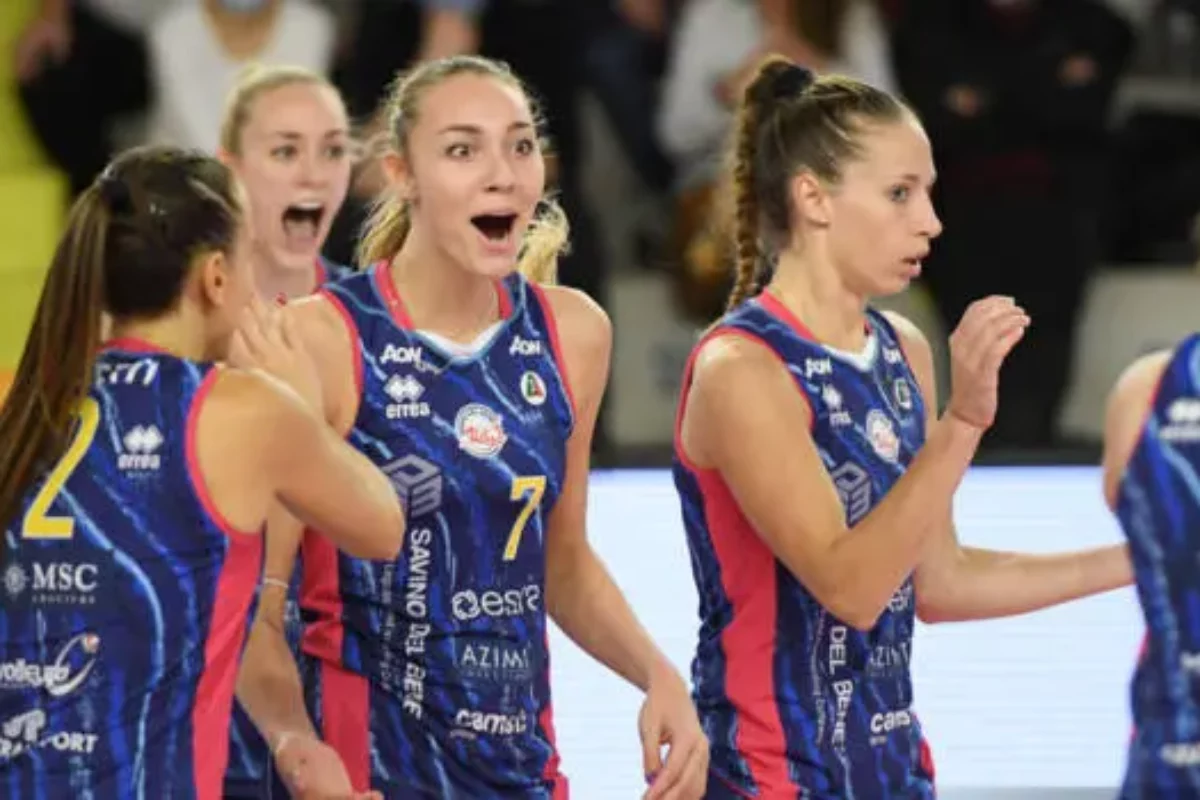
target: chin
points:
(292, 260)
(493, 267)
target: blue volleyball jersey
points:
(249, 754)
(125, 601)
(795, 702)
(447, 644)
(1158, 506)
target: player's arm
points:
(955, 583)
(581, 596)
(746, 418)
(296, 459)
(269, 686)
(1128, 406)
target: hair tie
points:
(791, 81)
(114, 192)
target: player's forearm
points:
(867, 565)
(985, 584)
(588, 606)
(269, 686)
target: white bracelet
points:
(281, 742)
(276, 583)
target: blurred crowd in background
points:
(1066, 132)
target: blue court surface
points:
(1034, 707)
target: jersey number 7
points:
(527, 489)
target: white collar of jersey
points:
(463, 349)
(864, 359)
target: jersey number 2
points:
(36, 524)
(530, 490)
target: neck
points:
(812, 290)
(274, 281)
(174, 333)
(440, 296)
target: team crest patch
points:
(882, 435)
(533, 388)
(480, 430)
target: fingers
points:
(985, 323)
(1001, 347)
(685, 767)
(287, 331)
(651, 752)
(665, 782)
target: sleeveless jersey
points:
(451, 636)
(249, 754)
(1158, 506)
(795, 702)
(125, 601)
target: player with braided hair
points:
(814, 474)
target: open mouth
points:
(302, 221)
(496, 228)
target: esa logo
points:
(496, 604)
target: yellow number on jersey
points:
(36, 524)
(529, 489)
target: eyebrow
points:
(912, 177)
(295, 136)
(475, 130)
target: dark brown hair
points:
(788, 122)
(128, 248)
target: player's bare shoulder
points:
(730, 362)
(1128, 405)
(583, 326)
(321, 325)
(585, 336)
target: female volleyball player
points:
(816, 485)
(476, 390)
(286, 137)
(136, 478)
(1152, 482)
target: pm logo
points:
(854, 490)
(418, 483)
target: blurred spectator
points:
(81, 66)
(198, 49)
(716, 46)
(1015, 95)
(623, 55)
(1156, 196)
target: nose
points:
(503, 178)
(313, 170)
(931, 225)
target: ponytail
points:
(745, 204)
(55, 371)
(385, 232)
(546, 239)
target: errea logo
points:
(141, 444)
(1183, 421)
